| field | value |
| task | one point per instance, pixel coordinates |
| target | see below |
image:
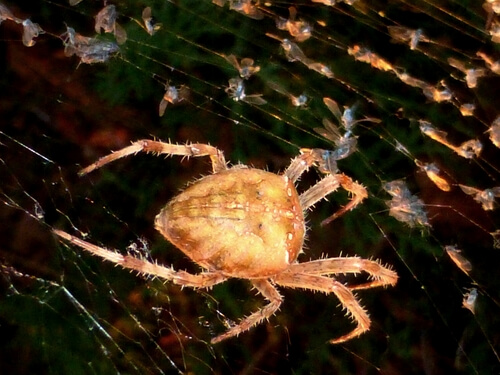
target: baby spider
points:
(247, 223)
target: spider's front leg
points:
(157, 147)
(329, 285)
(301, 163)
(358, 191)
(326, 186)
(379, 275)
(183, 278)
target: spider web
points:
(63, 311)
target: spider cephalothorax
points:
(247, 223)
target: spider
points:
(247, 223)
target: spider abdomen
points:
(242, 222)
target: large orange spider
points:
(247, 223)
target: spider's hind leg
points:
(157, 147)
(183, 278)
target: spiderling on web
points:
(106, 20)
(404, 206)
(89, 50)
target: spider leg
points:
(145, 145)
(307, 158)
(319, 191)
(202, 280)
(300, 164)
(380, 275)
(358, 191)
(328, 185)
(329, 285)
(270, 293)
